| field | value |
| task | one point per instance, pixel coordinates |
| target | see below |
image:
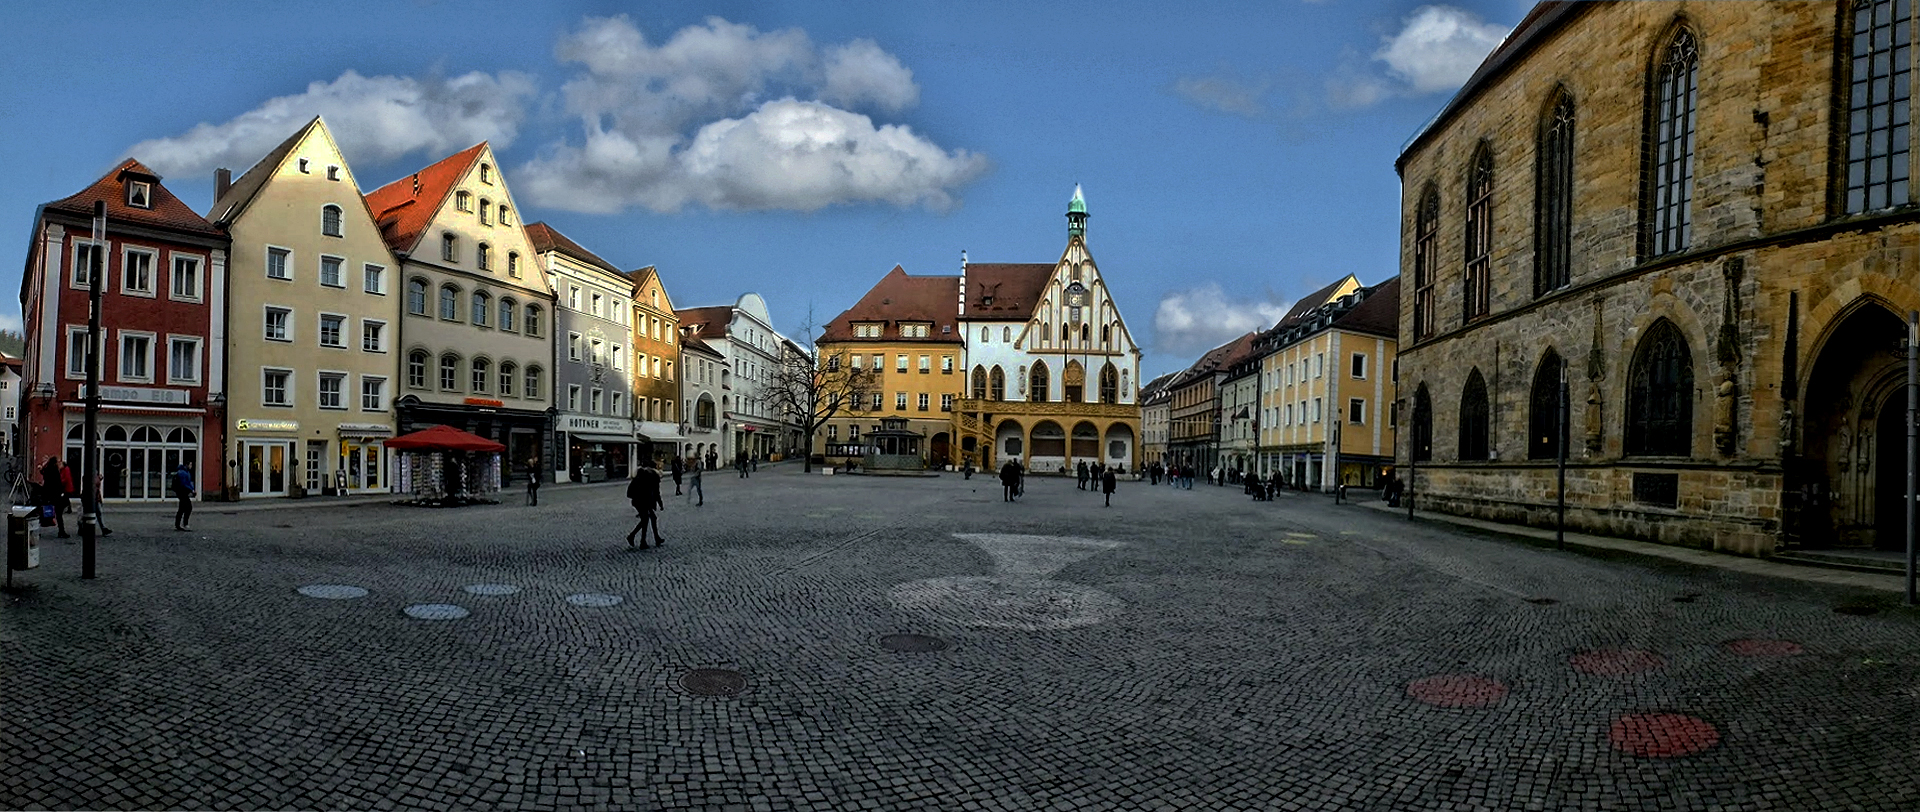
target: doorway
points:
(1890, 475)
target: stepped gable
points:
(899, 297)
(404, 207)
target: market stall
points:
(445, 467)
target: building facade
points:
(1155, 420)
(476, 323)
(163, 321)
(705, 387)
(658, 367)
(1051, 365)
(1326, 403)
(1708, 232)
(1197, 421)
(903, 335)
(312, 341)
(593, 336)
(743, 331)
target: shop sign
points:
(484, 402)
(366, 430)
(601, 425)
(256, 424)
(143, 394)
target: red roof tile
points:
(404, 207)
(712, 320)
(547, 238)
(166, 212)
(898, 297)
(1005, 290)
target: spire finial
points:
(1077, 214)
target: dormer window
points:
(866, 331)
(303, 166)
(140, 194)
(486, 173)
(463, 201)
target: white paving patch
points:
(1020, 595)
(491, 589)
(332, 592)
(594, 599)
(436, 611)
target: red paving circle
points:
(1616, 662)
(1662, 735)
(1458, 691)
(1763, 648)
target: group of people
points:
(1179, 476)
(55, 492)
(1098, 476)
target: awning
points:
(597, 437)
(657, 431)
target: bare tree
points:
(810, 388)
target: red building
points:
(162, 320)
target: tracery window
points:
(1479, 232)
(1667, 198)
(1879, 105)
(1474, 417)
(1426, 259)
(998, 390)
(1553, 199)
(1660, 394)
(1038, 384)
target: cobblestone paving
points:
(1181, 650)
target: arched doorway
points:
(938, 451)
(1049, 448)
(1852, 474)
(1120, 446)
(1086, 443)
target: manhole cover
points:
(332, 592)
(491, 589)
(713, 682)
(1662, 735)
(436, 611)
(1542, 601)
(1857, 609)
(596, 600)
(912, 643)
(1458, 691)
(1616, 662)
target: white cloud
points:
(726, 116)
(11, 322)
(1439, 47)
(1190, 322)
(1223, 94)
(375, 118)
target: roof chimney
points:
(222, 181)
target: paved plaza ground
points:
(1182, 650)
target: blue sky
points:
(1235, 156)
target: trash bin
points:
(23, 538)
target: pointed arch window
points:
(1666, 200)
(998, 384)
(1553, 199)
(1426, 258)
(1879, 105)
(1660, 394)
(1421, 443)
(1544, 434)
(979, 383)
(1479, 233)
(1109, 384)
(1038, 384)
(1474, 417)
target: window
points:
(373, 394)
(1316, 410)
(505, 218)
(1660, 394)
(449, 372)
(373, 278)
(449, 247)
(1358, 368)
(1479, 233)
(449, 303)
(417, 369)
(509, 315)
(533, 321)
(513, 261)
(183, 360)
(330, 220)
(1666, 211)
(618, 359)
(616, 404)
(482, 375)
(276, 387)
(856, 361)
(599, 308)
(417, 297)
(573, 397)
(594, 398)
(1473, 418)
(913, 330)
(998, 387)
(877, 401)
(533, 382)
(1879, 105)
(573, 347)
(1543, 421)
(277, 319)
(486, 174)
(331, 392)
(926, 364)
(1037, 383)
(83, 256)
(946, 365)
(946, 402)
(373, 335)
(279, 263)
(330, 273)
(136, 272)
(1426, 259)
(304, 163)
(573, 298)
(486, 210)
(333, 173)
(483, 257)
(481, 309)
(866, 331)
(1421, 449)
(900, 363)
(1319, 365)
(923, 401)
(597, 355)
(186, 278)
(463, 201)
(136, 357)
(1109, 384)
(979, 385)
(140, 194)
(331, 329)
(833, 434)
(507, 372)
(1553, 199)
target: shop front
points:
(598, 448)
(136, 454)
(662, 440)
(360, 464)
(523, 431)
(267, 456)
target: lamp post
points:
(1913, 441)
(1338, 490)
(90, 444)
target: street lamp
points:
(1338, 491)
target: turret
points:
(1077, 215)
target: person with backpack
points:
(183, 490)
(644, 492)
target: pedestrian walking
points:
(183, 490)
(99, 516)
(1107, 483)
(713, 459)
(644, 492)
(679, 469)
(55, 484)
(1080, 475)
(694, 486)
(1010, 480)
(533, 482)
(740, 464)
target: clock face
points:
(1076, 295)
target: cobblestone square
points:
(811, 642)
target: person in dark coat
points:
(713, 459)
(679, 468)
(533, 482)
(55, 485)
(1107, 483)
(183, 491)
(1080, 475)
(1010, 479)
(644, 492)
(694, 487)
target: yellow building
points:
(313, 338)
(1327, 392)
(902, 332)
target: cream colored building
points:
(1327, 387)
(476, 317)
(311, 343)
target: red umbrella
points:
(443, 438)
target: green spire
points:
(1077, 214)
(1078, 205)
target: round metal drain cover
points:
(436, 611)
(332, 592)
(714, 682)
(594, 599)
(491, 589)
(912, 643)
